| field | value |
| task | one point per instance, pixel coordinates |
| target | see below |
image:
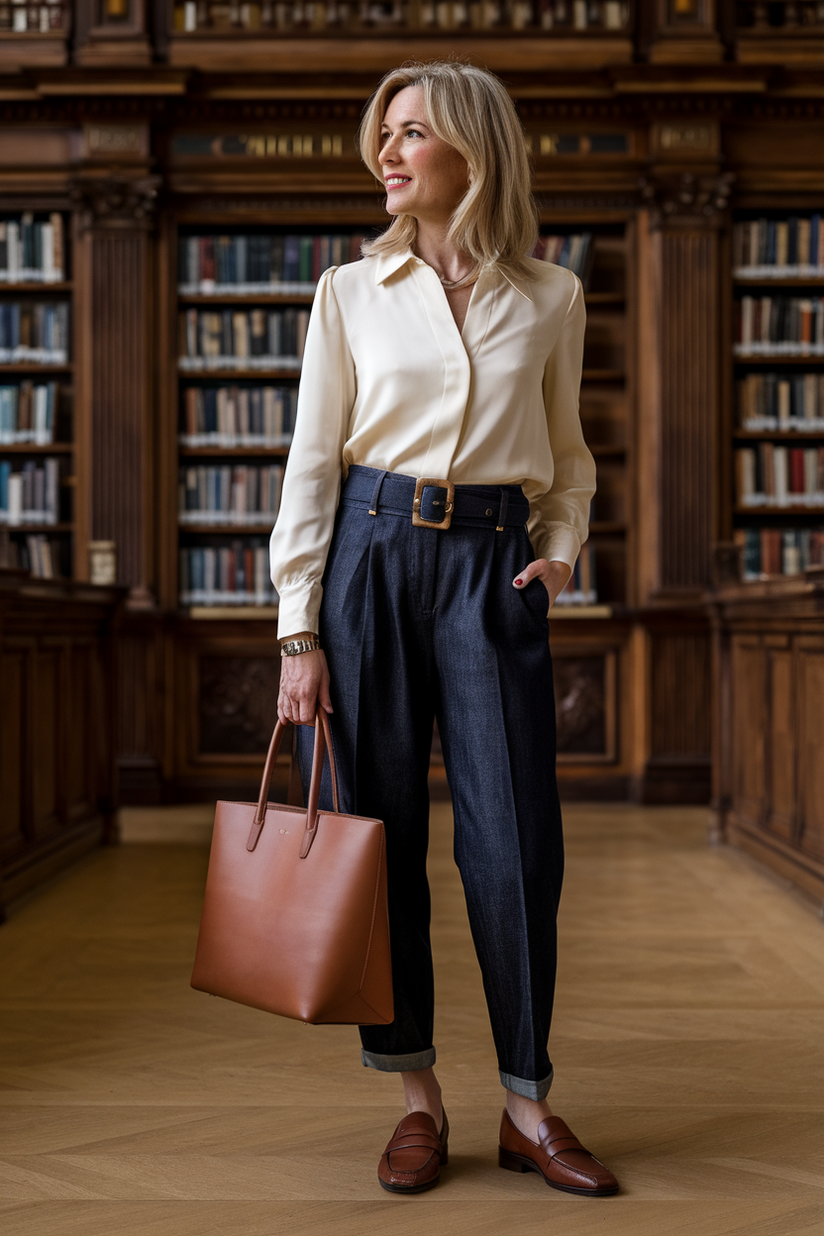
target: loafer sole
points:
(419, 1188)
(519, 1163)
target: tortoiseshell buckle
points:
(434, 502)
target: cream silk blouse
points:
(390, 382)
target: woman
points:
(435, 501)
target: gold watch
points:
(294, 647)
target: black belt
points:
(435, 503)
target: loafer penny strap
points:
(414, 1139)
(411, 1135)
(556, 1137)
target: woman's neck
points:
(437, 251)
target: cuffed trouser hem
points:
(527, 1089)
(399, 1064)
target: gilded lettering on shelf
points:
(554, 144)
(687, 137)
(260, 145)
(122, 139)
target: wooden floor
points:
(688, 1048)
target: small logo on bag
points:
(283, 831)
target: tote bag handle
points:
(323, 743)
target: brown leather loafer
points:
(415, 1155)
(560, 1158)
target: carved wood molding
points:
(678, 199)
(116, 202)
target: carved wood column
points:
(681, 338)
(114, 222)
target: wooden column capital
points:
(115, 202)
(678, 198)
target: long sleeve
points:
(311, 486)
(559, 519)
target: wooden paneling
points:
(118, 398)
(57, 726)
(689, 397)
(749, 722)
(144, 704)
(780, 748)
(13, 727)
(46, 702)
(769, 744)
(681, 692)
(586, 705)
(688, 394)
(810, 672)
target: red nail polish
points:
(519, 581)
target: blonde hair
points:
(496, 221)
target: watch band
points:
(294, 647)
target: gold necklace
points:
(464, 281)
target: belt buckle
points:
(434, 496)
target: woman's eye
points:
(417, 132)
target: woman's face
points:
(424, 175)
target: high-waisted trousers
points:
(420, 623)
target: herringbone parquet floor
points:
(688, 1047)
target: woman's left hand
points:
(554, 576)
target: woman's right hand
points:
(304, 683)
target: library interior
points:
(175, 177)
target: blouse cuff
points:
(298, 608)
(562, 544)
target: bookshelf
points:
(777, 508)
(242, 303)
(388, 17)
(602, 578)
(36, 395)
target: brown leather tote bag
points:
(295, 917)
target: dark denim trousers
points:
(420, 623)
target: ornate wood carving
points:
(581, 706)
(687, 198)
(115, 202)
(237, 704)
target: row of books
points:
(31, 18)
(225, 494)
(779, 551)
(34, 332)
(574, 252)
(779, 248)
(779, 326)
(580, 588)
(781, 401)
(252, 264)
(30, 496)
(233, 574)
(780, 476)
(27, 413)
(238, 415)
(44, 557)
(242, 339)
(192, 15)
(31, 251)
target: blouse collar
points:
(387, 264)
